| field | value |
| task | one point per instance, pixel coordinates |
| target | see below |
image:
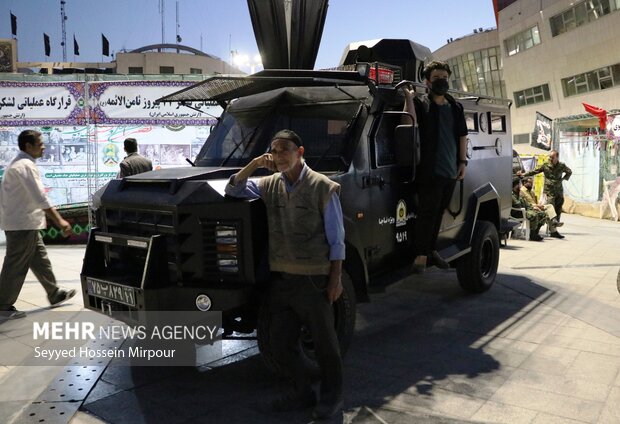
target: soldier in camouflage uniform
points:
(535, 217)
(555, 172)
(527, 194)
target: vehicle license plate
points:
(111, 291)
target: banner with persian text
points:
(110, 102)
(134, 102)
(84, 125)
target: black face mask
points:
(440, 86)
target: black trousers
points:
(298, 300)
(558, 202)
(434, 196)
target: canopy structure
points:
(223, 88)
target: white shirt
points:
(22, 196)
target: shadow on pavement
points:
(420, 336)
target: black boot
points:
(556, 235)
(534, 236)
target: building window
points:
(532, 95)
(136, 70)
(596, 80)
(581, 14)
(478, 72)
(521, 138)
(522, 41)
(195, 71)
(166, 69)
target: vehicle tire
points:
(477, 270)
(344, 315)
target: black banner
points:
(541, 137)
(14, 25)
(105, 46)
(46, 44)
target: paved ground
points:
(542, 346)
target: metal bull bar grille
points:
(128, 261)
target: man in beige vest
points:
(306, 248)
(527, 193)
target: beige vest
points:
(297, 242)
(529, 196)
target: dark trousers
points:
(24, 250)
(298, 300)
(557, 202)
(434, 196)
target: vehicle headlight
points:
(226, 243)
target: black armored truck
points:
(171, 240)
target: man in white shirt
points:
(23, 206)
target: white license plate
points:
(110, 291)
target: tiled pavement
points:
(542, 346)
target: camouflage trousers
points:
(537, 219)
(555, 198)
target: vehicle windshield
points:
(324, 118)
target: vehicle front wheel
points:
(344, 321)
(477, 270)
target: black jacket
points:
(428, 123)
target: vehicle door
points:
(390, 188)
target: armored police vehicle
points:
(171, 240)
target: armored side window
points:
(498, 123)
(471, 119)
(385, 148)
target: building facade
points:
(553, 56)
(156, 59)
(171, 59)
(558, 54)
(476, 63)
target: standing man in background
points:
(23, 206)
(134, 163)
(555, 172)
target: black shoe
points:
(438, 261)
(12, 313)
(326, 410)
(61, 296)
(294, 401)
(418, 268)
(535, 237)
(556, 235)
